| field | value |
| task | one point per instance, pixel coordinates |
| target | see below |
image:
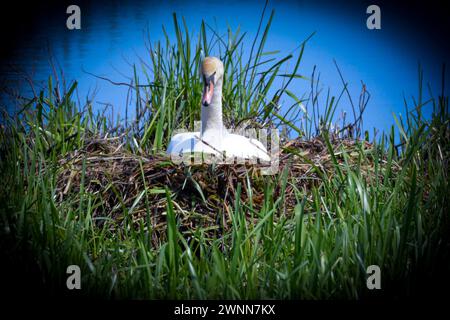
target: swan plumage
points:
(214, 138)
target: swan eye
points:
(210, 79)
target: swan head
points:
(212, 74)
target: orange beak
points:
(208, 90)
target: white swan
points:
(214, 138)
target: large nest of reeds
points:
(125, 185)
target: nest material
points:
(130, 186)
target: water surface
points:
(113, 37)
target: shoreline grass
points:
(79, 190)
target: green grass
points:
(386, 205)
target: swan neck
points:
(212, 114)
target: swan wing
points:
(244, 148)
(177, 139)
(188, 142)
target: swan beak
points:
(208, 90)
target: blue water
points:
(113, 38)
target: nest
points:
(129, 187)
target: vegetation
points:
(80, 189)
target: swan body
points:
(214, 138)
(231, 146)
